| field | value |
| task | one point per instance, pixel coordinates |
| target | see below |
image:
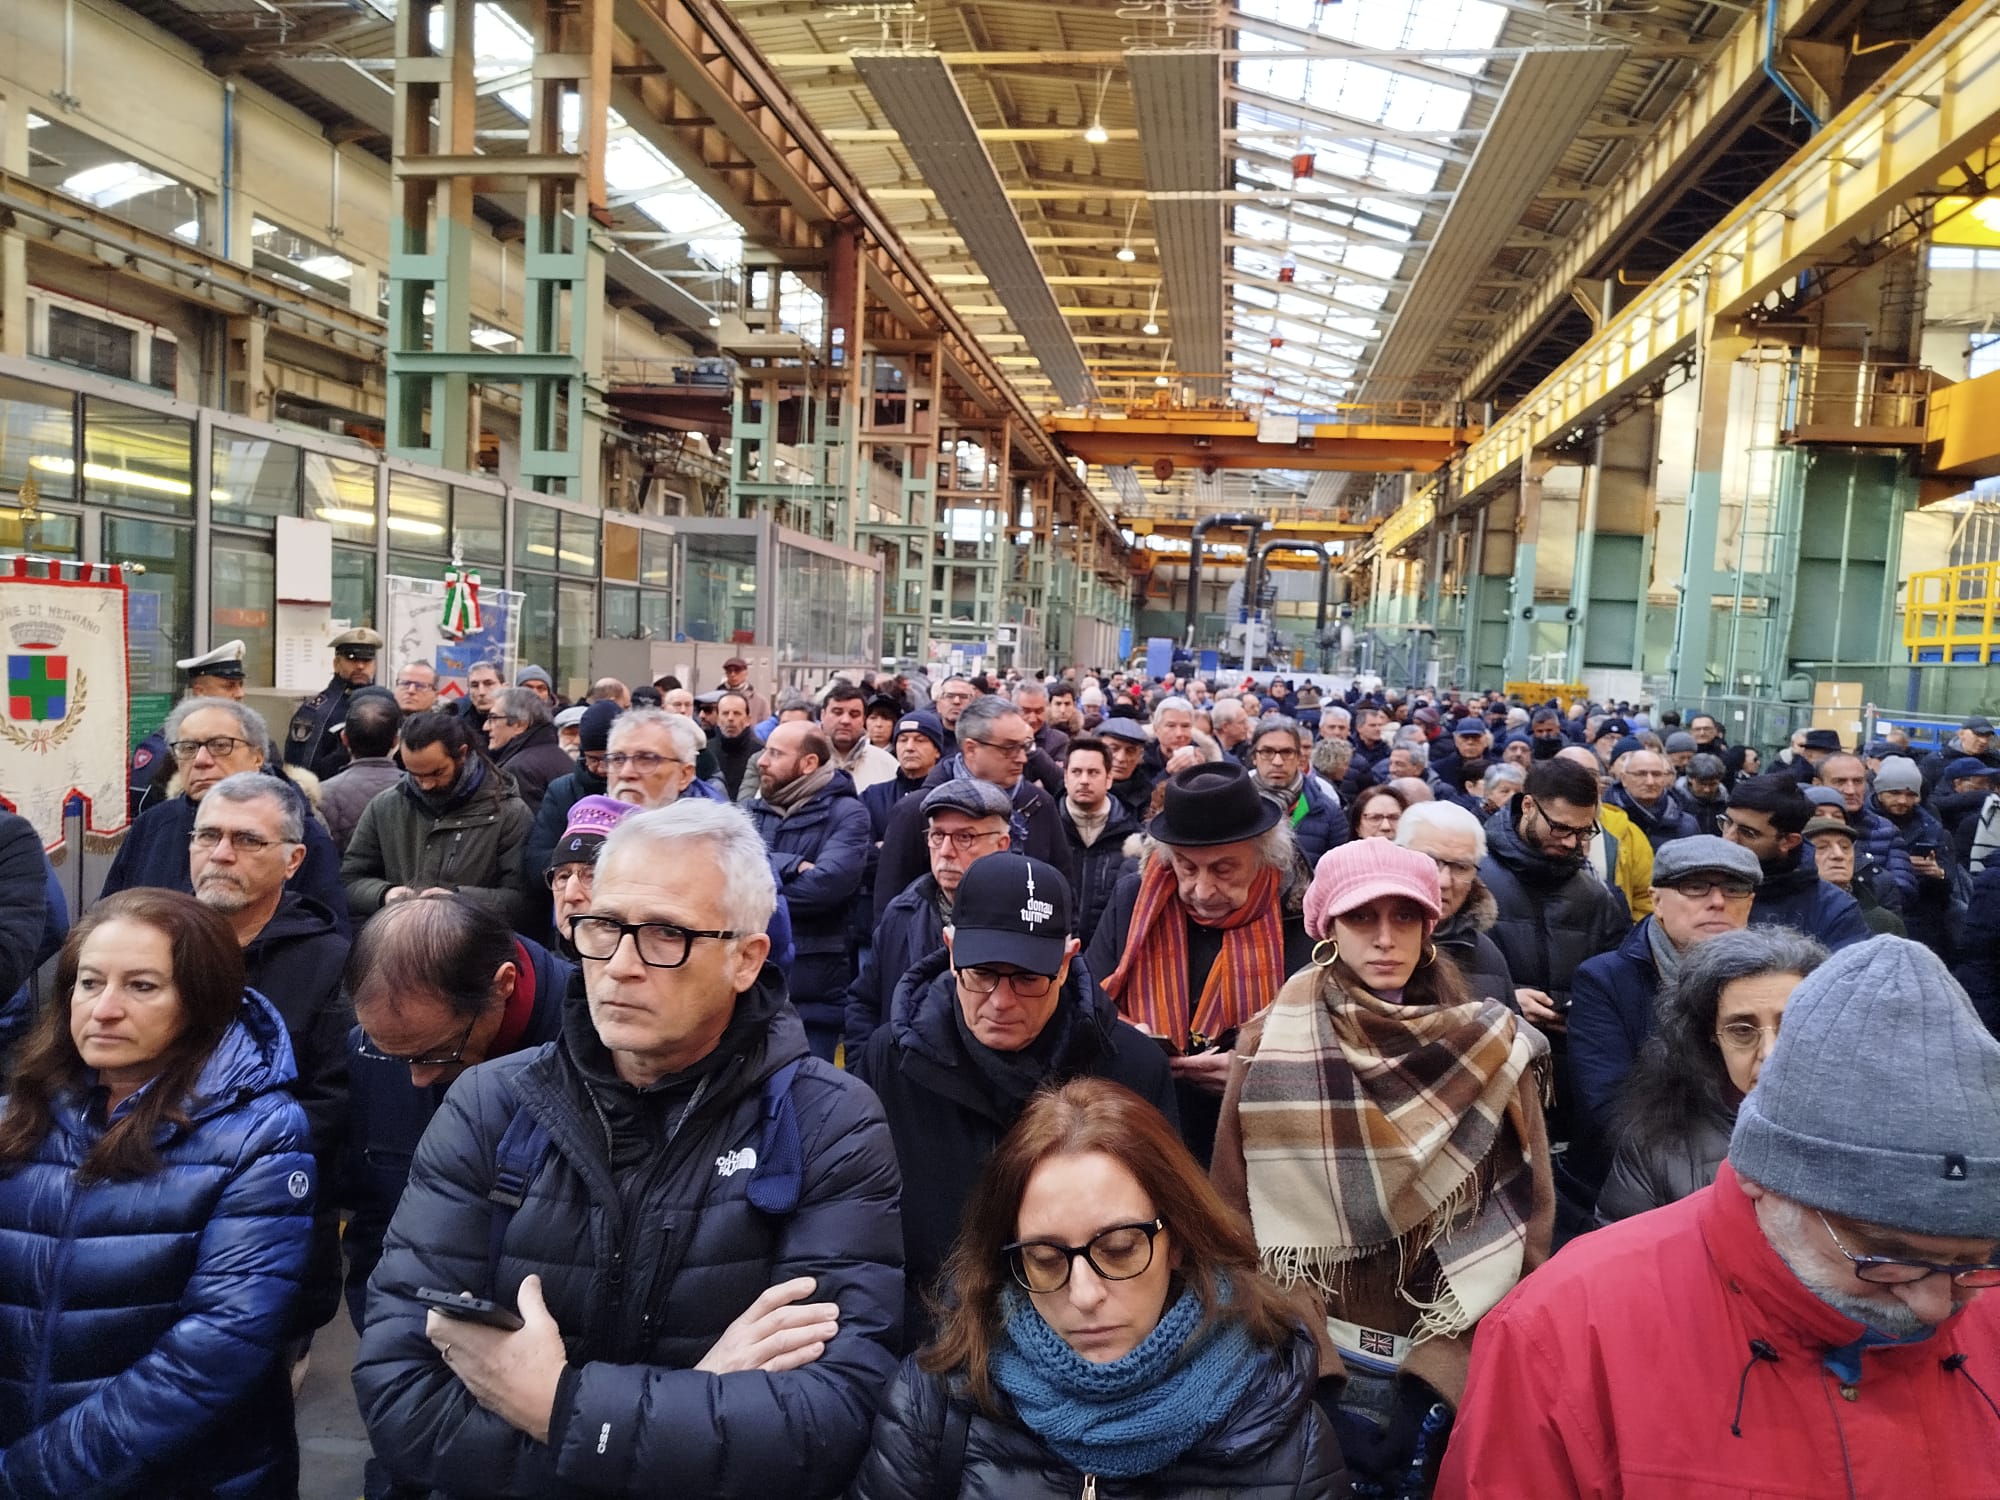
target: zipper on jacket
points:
(1090, 1487)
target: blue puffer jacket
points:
(833, 834)
(1275, 1445)
(140, 1321)
(649, 1247)
(1883, 843)
(1323, 826)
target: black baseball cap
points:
(1011, 909)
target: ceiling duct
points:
(1177, 98)
(1545, 104)
(923, 104)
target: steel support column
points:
(1527, 534)
(1701, 579)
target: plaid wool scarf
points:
(1371, 1127)
(1150, 984)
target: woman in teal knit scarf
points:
(1105, 1332)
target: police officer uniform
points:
(313, 740)
(152, 766)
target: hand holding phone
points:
(470, 1309)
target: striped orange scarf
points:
(1150, 984)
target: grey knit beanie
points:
(1881, 1099)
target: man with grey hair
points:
(683, 1093)
(994, 745)
(1456, 842)
(210, 739)
(248, 839)
(649, 759)
(1173, 749)
(1504, 781)
(1336, 723)
(521, 733)
(1206, 932)
(1278, 761)
(1813, 1322)
(1231, 723)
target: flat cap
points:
(1704, 854)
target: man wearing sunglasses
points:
(1002, 1009)
(703, 1252)
(1812, 1323)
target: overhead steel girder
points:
(1730, 77)
(1546, 98)
(717, 98)
(1231, 443)
(1177, 100)
(1933, 108)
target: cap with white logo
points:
(1011, 909)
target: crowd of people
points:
(1008, 1087)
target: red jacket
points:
(1613, 1373)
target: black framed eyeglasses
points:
(373, 1053)
(1569, 831)
(1115, 1254)
(1891, 1270)
(986, 981)
(217, 745)
(242, 843)
(1011, 749)
(661, 945)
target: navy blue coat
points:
(832, 834)
(140, 1322)
(1799, 899)
(1979, 964)
(1037, 833)
(1323, 827)
(881, 799)
(155, 852)
(34, 919)
(648, 1247)
(390, 1114)
(947, 1113)
(1610, 1017)
(910, 930)
(1882, 842)
(1929, 915)
(1275, 1445)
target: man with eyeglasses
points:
(965, 821)
(416, 687)
(1767, 815)
(1456, 842)
(820, 837)
(951, 699)
(994, 745)
(248, 839)
(521, 733)
(1814, 1322)
(1703, 886)
(704, 1249)
(209, 739)
(1278, 748)
(212, 674)
(1645, 793)
(1000, 1009)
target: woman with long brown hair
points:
(1107, 1333)
(1382, 1130)
(156, 1192)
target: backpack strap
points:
(950, 1471)
(779, 1174)
(522, 1146)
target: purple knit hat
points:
(590, 821)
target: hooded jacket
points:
(155, 852)
(1630, 1363)
(639, 1220)
(948, 1109)
(1554, 913)
(1464, 937)
(472, 846)
(1799, 899)
(1274, 1445)
(534, 760)
(140, 1322)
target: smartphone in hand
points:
(470, 1309)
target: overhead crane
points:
(1392, 439)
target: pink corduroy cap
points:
(1356, 873)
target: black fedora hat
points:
(1212, 803)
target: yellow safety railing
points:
(1564, 693)
(1953, 614)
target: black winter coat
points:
(1554, 914)
(1799, 899)
(1979, 952)
(904, 857)
(648, 1247)
(1611, 1017)
(1929, 914)
(947, 1113)
(1464, 937)
(910, 930)
(536, 760)
(1099, 866)
(830, 832)
(1644, 1177)
(1276, 1445)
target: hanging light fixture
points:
(1097, 135)
(1125, 251)
(1152, 323)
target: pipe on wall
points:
(1255, 524)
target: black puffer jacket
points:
(1554, 914)
(1646, 1176)
(947, 1113)
(648, 1247)
(536, 760)
(1276, 1445)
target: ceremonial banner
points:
(63, 720)
(413, 612)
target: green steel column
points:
(1701, 579)
(1521, 595)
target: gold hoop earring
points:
(1332, 953)
(1430, 956)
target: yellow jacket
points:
(1634, 874)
